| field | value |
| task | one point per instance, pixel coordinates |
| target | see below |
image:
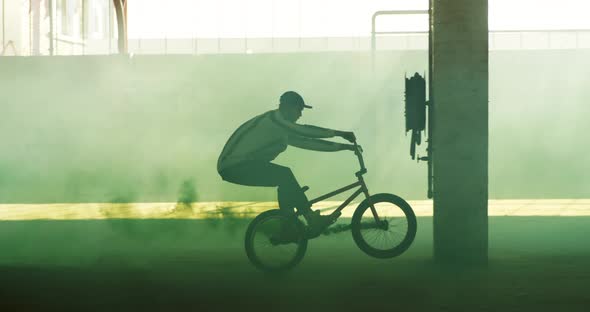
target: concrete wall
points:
(108, 128)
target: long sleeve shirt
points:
(265, 136)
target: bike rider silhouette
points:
(247, 156)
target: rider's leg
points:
(290, 194)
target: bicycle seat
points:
(305, 188)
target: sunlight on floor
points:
(202, 210)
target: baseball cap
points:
(293, 98)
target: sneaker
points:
(317, 223)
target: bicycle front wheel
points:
(275, 241)
(388, 235)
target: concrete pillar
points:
(460, 140)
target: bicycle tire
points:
(253, 229)
(358, 227)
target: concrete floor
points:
(159, 257)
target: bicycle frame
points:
(362, 188)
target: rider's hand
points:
(349, 136)
(348, 147)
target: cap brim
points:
(307, 106)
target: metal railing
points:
(374, 31)
(417, 40)
(549, 34)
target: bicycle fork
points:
(368, 196)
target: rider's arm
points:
(302, 130)
(316, 144)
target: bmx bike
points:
(383, 226)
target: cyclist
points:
(247, 156)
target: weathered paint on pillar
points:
(460, 145)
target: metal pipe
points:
(83, 18)
(51, 34)
(400, 32)
(395, 12)
(125, 3)
(110, 26)
(121, 11)
(3, 25)
(374, 32)
(491, 31)
(36, 27)
(56, 42)
(30, 28)
(539, 30)
(272, 27)
(299, 26)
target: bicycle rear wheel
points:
(275, 241)
(392, 234)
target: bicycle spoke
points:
(374, 233)
(269, 254)
(391, 234)
(384, 239)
